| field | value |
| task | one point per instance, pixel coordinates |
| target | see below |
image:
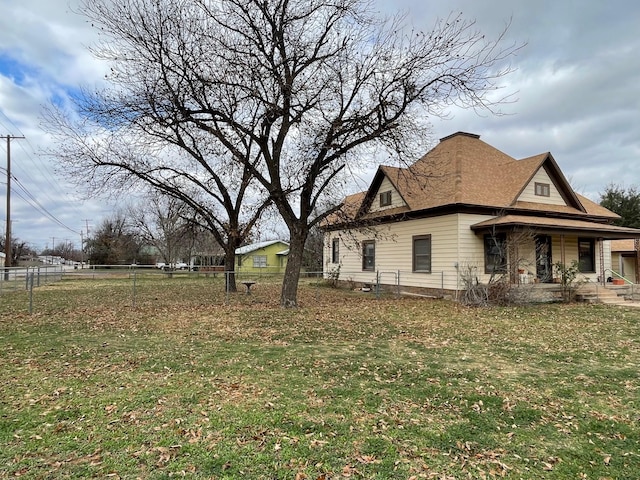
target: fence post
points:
(226, 287)
(30, 283)
(135, 277)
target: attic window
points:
(543, 189)
(385, 198)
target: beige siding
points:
(455, 251)
(453, 245)
(571, 254)
(471, 249)
(393, 255)
(396, 199)
(608, 263)
(529, 193)
(624, 265)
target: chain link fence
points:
(23, 278)
(145, 285)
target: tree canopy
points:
(625, 201)
(270, 101)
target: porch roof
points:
(560, 225)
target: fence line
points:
(18, 278)
(248, 282)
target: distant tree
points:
(114, 243)
(623, 201)
(165, 223)
(19, 249)
(312, 257)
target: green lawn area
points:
(185, 383)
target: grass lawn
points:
(181, 383)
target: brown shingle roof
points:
(464, 170)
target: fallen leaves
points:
(343, 387)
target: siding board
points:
(529, 193)
(396, 199)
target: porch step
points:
(591, 293)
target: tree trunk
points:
(289, 295)
(229, 267)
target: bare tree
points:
(19, 249)
(296, 94)
(165, 223)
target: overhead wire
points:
(45, 173)
(35, 203)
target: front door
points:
(543, 258)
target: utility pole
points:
(7, 244)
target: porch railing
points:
(616, 274)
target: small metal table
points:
(248, 285)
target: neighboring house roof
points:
(623, 245)
(257, 246)
(462, 171)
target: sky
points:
(576, 85)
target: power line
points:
(35, 203)
(42, 167)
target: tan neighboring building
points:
(625, 259)
(2, 257)
(468, 207)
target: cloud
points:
(575, 81)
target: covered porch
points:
(533, 247)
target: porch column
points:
(636, 244)
(562, 256)
(512, 258)
(601, 249)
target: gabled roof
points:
(464, 170)
(258, 246)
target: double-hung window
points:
(369, 255)
(335, 250)
(495, 253)
(586, 255)
(259, 261)
(422, 253)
